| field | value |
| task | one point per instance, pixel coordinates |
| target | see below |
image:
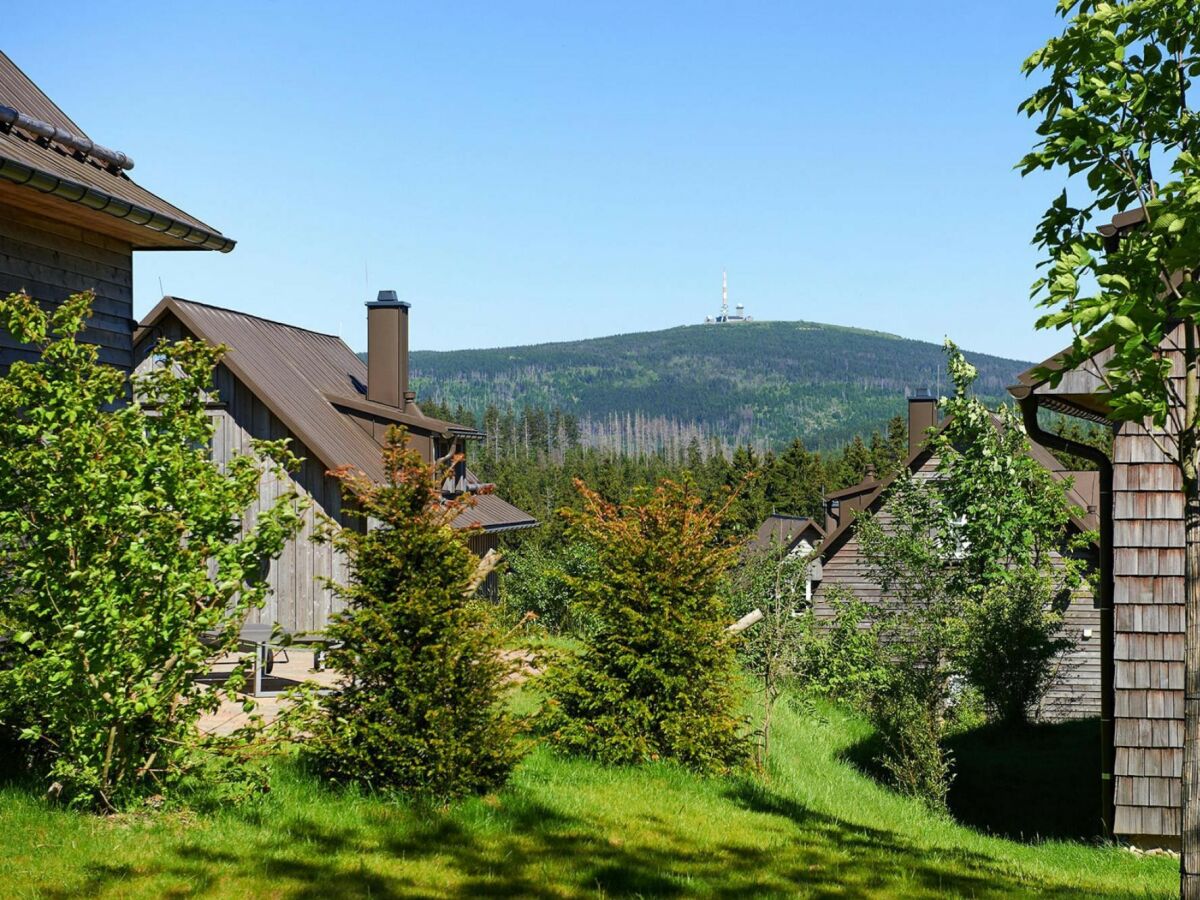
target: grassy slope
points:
(569, 828)
(770, 380)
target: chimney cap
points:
(388, 298)
(921, 394)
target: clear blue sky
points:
(530, 172)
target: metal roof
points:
(307, 380)
(779, 530)
(494, 514)
(62, 170)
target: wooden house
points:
(1141, 601)
(71, 218)
(1075, 690)
(796, 536)
(280, 381)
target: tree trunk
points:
(1190, 858)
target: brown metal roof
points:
(43, 165)
(493, 514)
(863, 487)
(785, 531)
(295, 373)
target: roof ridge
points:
(33, 84)
(238, 312)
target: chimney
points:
(387, 351)
(922, 415)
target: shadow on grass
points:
(1040, 782)
(523, 847)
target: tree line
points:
(534, 457)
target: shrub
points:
(422, 707)
(655, 679)
(910, 554)
(1010, 639)
(843, 658)
(121, 546)
(540, 580)
(908, 713)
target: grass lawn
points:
(566, 828)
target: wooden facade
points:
(300, 598)
(1148, 638)
(1075, 690)
(51, 260)
(281, 382)
(1148, 621)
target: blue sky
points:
(527, 172)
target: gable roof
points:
(42, 150)
(310, 381)
(786, 531)
(1088, 522)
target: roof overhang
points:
(392, 414)
(1080, 391)
(145, 229)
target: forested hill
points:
(762, 383)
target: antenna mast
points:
(724, 296)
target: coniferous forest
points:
(534, 456)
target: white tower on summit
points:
(724, 317)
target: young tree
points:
(121, 548)
(656, 676)
(909, 553)
(421, 710)
(773, 582)
(1115, 112)
(1016, 559)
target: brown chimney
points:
(387, 350)
(922, 415)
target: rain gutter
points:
(1029, 410)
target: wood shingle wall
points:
(1148, 640)
(52, 260)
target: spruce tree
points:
(421, 710)
(656, 677)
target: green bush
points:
(656, 677)
(909, 718)
(422, 710)
(122, 545)
(540, 580)
(842, 658)
(908, 686)
(1010, 639)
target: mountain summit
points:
(751, 382)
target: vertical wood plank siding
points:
(480, 544)
(1075, 690)
(300, 598)
(51, 260)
